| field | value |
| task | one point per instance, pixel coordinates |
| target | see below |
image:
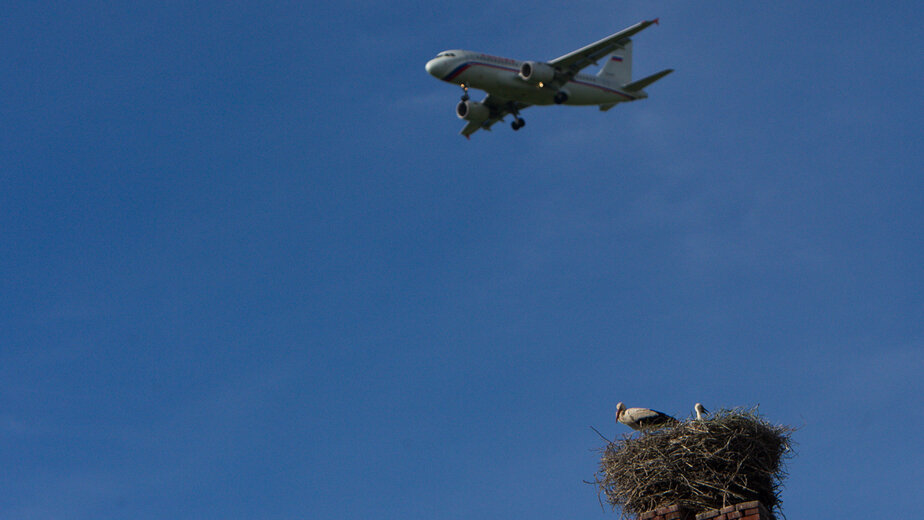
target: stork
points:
(700, 410)
(643, 418)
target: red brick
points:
(647, 515)
(753, 510)
(668, 509)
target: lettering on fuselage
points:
(498, 59)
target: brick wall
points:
(673, 512)
(753, 510)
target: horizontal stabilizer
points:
(635, 86)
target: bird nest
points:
(733, 456)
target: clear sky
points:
(250, 270)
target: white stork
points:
(700, 410)
(642, 418)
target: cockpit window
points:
(445, 55)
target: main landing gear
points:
(464, 91)
(518, 121)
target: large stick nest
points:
(732, 456)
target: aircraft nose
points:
(431, 67)
(438, 67)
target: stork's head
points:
(620, 408)
(700, 410)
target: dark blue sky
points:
(249, 269)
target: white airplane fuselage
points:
(501, 77)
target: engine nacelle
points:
(535, 73)
(472, 111)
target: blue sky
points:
(250, 270)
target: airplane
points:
(513, 85)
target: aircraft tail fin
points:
(637, 86)
(618, 67)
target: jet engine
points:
(535, 73)
(472, 111)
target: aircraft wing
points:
(499, 109)
(572, 63)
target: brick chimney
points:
(752, 510)
(673, 512)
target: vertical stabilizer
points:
(618, 67)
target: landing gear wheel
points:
(560, 97)
(517, 120)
